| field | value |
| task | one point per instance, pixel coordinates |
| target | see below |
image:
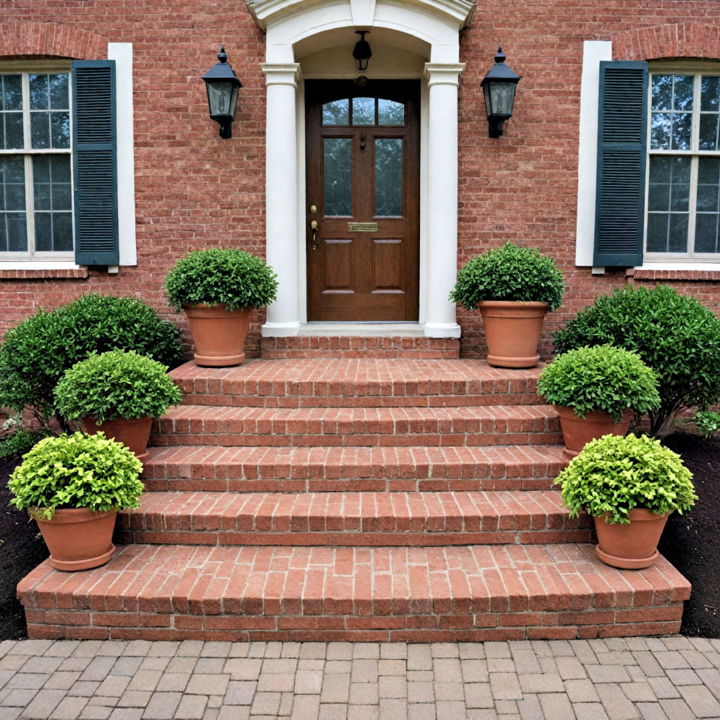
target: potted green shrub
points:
(629, 485)
(118, 393)
(218, 289)
(513, 287)
(73, 486)
(596, 390)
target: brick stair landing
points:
(508, 592)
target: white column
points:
(442, 175)
(281, 212)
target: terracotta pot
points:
(78, 539)
(512, 332)
(577, 431)
(218, 333)
(633, 546)
(133, 432)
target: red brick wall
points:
(194, 190)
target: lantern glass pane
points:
(502, 95)
(220, 97)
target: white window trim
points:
(31, 255)
(122, 53)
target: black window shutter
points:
(95, 162)
(622, 156)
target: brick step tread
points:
(352, 518)
(472, 592)
(370, 382)
(337, 469)
(348, 426)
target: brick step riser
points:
(84, 625)
(168, 481)
(316, 346)
(290, 401)
(324, 538)
(168, 438)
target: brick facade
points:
(194, 190)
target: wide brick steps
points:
(327, 382)
(352, 518)
(556, 591)
(350, 427)
(339, 469)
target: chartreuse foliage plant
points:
(76, 471)
(116, 384)
(673, 334)
(509, 272)
(602, 378)
(233, 278)
(36, 353)
(616, 474)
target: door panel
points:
(363, 188)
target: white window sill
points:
(682, 266)
(38, 265)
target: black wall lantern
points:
(222, 90)
(499, 89)
(362, 52)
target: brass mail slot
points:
(362, 227)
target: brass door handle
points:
(314, 231)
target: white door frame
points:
(435, 22)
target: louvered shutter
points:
(622, 156)
(95, 162)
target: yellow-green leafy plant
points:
(76, 471)
(616, 474)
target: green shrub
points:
(19, 441)
(616, 474)
(674, 334)
(77, 471)
(707, 422)
(116, 384)
(37, 352)
(603, 378)
(234, 278)
(509, 272)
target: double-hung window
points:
(36, 198)
(683, 189)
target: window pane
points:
(60, 129)
(677, 236)
(706, 233)
(682, 127)
(337, 169)
(390, 113)
(657, 232)
(39, 97)
(59, 92)
(336, 112)
(40, 130)
(389, 176)
(16, 232)
(51, 187)
(708, 171)
(11, 92)
(708, 131)
(710, 93)
(661, 92)
(659, 197)
(13, 230)
(62, 232)
(363, 109)
(13, 131)
(708, 189)
(660, 169)
(661, 131)
(683, 92)
(43, 232)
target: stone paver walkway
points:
(619, 679)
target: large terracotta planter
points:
(133, 432)
(78, 539)
(218, 333)
(630, 546)
(578, 431)
(512, 332)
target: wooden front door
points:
(363, 200)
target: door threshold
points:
(361, 329)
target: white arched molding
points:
(437, 24)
